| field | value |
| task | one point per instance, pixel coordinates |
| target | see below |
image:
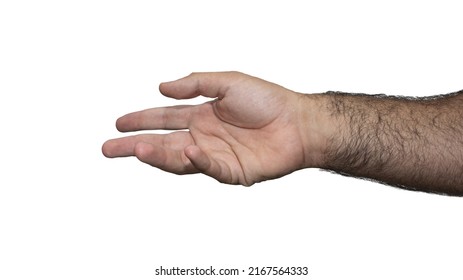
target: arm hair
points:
(413, 143)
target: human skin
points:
(253, 130)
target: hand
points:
(248, 133)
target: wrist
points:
(317, 128)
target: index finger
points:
(174, 117)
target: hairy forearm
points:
(408, 142)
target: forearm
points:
(412, 143)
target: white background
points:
(68, 69)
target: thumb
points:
(212, 84)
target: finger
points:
(124, 147)
(169, 160)
(204, 164)
(205, 84)
(199, 159)
(175, 117)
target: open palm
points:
(248, 133)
